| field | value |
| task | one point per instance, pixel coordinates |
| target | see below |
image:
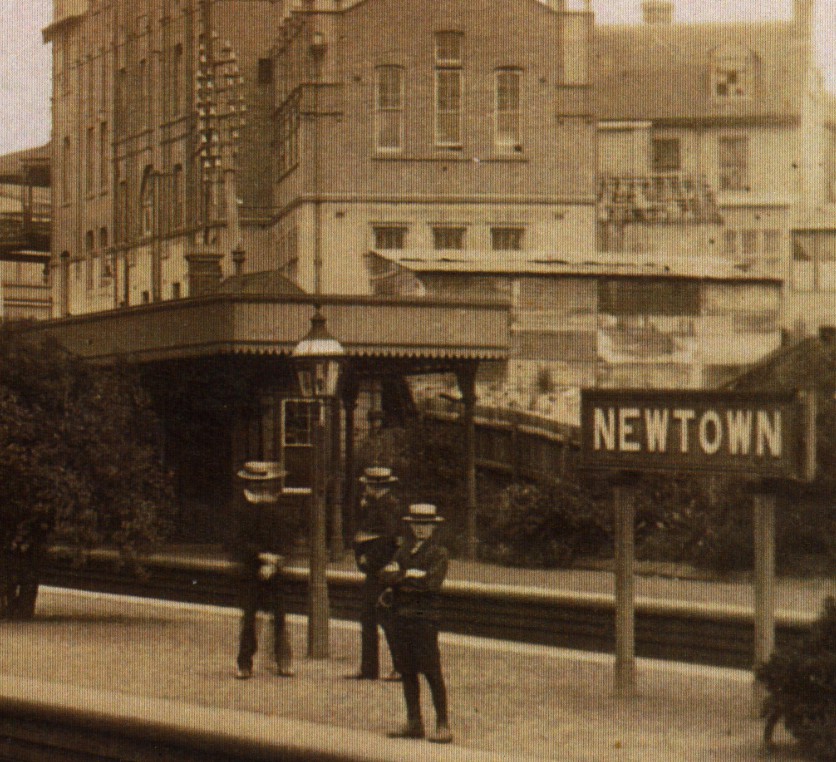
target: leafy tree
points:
(78, 462)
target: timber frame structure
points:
(218, 368)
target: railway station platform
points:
(166, 669)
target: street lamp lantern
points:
(318, 357)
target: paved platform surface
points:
(509, 699)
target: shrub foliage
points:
(801, 681)
(705, 522)
(78, 462)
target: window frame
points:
(459, 231)
(504, 144)
(385, 111)
(147, 203)
(448, 69)
(515, 235)
(732, 175)
(657, 145)
(397, 231)
(732, 60)
(178, 206)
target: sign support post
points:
(625, 637)
(771, 435)
(764, 583)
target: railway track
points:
(698, 633)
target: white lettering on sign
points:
(677, 430)
(656, 425)
(626, 417)
(604, 429)
(711, 445)
(769, 433)
(740, 431)
(684, 416)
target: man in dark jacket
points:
(413, 580)
(260, 543)
(375, 543)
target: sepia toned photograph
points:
(404, 380)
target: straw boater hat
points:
(378, 475)
(423, 513)
(262, 471)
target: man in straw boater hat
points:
(413, 579)
(375, 543)
(260, 541)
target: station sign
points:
(755, 433)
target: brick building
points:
(161, 140)
(299, 134)
(345, 146)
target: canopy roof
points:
(370, 327)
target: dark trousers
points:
(416, 651)
(258, 595)
(370, 617)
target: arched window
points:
(103, 238)
(177, 206)
(146, 202)
(732, 72)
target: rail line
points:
(710, 634)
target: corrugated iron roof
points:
(567, 264)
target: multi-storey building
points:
(161, 141)
(299, 134)
(435, 132)
(199, 139)
(738, 108)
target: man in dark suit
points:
(375, 543)
(413, 580)
(259, 545)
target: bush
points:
(428, 459)
(801, 681)
(78, 463)
(544, 525)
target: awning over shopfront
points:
(368, 327)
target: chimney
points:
(802, 13)
(659, 11)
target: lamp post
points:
(318, 358)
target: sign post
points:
(625, 637)
(764, 583)
(766, 435)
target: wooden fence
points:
(517, 443)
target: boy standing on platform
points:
(414, 578)
(375, 543)
(260, 541)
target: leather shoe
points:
(393, 677)
(285, 670)
(407, 731)
(442, 734)
(243, 673)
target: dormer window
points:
(732, 73)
